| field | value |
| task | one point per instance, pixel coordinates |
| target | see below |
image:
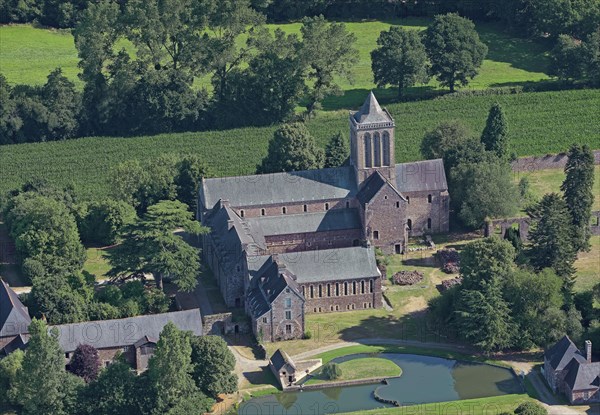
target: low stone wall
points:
(549, 161)
(223, 323)
(338, 384)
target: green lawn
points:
(28, 54)
(97, 263)
(482, 406)
(364, 368)
(550, 180)
(588, 266)
(537, 122)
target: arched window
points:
(345, 288)
(305, 207)
(242, 213)
(328, 290)
(370, 286)
(337, 289)
(326, 206)
(312, 292)
(262, 212)
(377, 149)
(320, 291)
(362, 287)
(386, 149)
(428, 223)
(283, 210)
(409, 223)
(368, 152)
(353, 287)
(429, 198)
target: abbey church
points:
(286, 244)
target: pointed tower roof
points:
(371, 112)
(14, 317)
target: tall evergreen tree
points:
(336, 151)
(170, 370)
(292, 148)
(151, 245)
(484, 317)
(578, 192)
(495, 133)
(551, 237)
(42, 386)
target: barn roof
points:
(105, 334)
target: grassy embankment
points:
(364, 368)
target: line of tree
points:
(184, 376)
(529, 17)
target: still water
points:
(424, 379)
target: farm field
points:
(536, 128)
(28, 54)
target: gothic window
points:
(428, 223)
(386, 149)
(377, 149)
(429, 198)
(368, 152)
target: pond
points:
(424, 379)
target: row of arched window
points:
(338, 289)
(377, 149)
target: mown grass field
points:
(364, 368)
(540, 123)
(28, 54)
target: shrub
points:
(332, 371)
(531, 408)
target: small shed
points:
(288, 372)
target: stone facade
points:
(380, 204)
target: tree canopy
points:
(400, 59)
(214, 366)
(495, 133)
(454, 49)
(292, 148)
(336, 151)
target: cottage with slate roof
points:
(305, 239)
(573, 373)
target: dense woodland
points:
(261, 81)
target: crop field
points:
(538, 126)
(28, 54)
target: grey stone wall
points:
(342, 295)
(549, 161)
(419, 210)
(385, 221)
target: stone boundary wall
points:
(523, 225)
(367, 381)
(549, 161)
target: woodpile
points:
(447, 284)
(408, 277)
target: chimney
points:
(588, 351)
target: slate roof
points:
(421, 176)
(19, 342)
(14, 316)
(331, 264)
(280, 359)
(104, 334)
(333, 219)
(371, 112)
(267, 285)
(583, 376)
(561, 354)
(263, 189)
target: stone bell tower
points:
(372, 141)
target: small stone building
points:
(572, 373)
(289, 372)
(344, 211)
